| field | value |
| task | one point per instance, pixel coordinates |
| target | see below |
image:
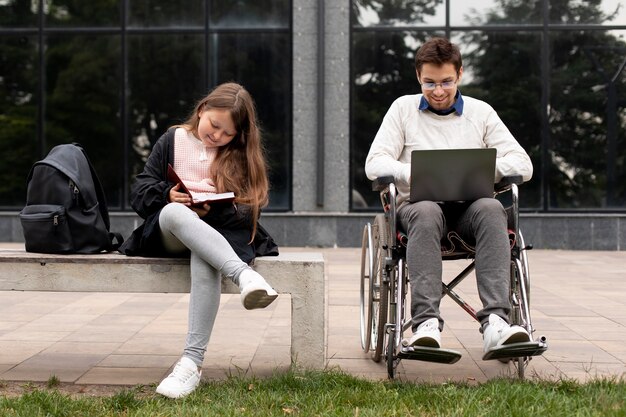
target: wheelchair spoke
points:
(366, 276)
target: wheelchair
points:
(384, 286)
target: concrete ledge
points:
(579, 231)
(300, 274)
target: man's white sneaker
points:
(498, 332)
(427, 334)
(255, 291)
(183, 380)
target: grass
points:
(333, 393)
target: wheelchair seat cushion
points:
(453, 246)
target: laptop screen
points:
(452, 174)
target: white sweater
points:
(405, 128)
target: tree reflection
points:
(394, 12)
(18, 115)
(585, 168)
(83, 85)
(97, 79)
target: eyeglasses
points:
(446, 85)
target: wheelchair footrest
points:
(516, 350)
(428, 354)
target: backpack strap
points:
(102, 204)
(113, 236)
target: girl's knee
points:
(173, 213)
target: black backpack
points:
(66, 211)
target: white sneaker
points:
(427, 334)
(183, 380)
(498, 332)
(255, 291)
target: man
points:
(442, 118)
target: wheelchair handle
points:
(507, 182)
(380, 183)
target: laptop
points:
(452, 174)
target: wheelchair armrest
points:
(506, 182)
(380, 183)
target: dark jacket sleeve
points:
(150, 190)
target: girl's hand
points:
(201, 210)
(177, 197)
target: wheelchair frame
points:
(384, 285)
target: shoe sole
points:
(258, 299)
(516, 338)
(426, 341)
(174, 394)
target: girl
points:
(218, 149)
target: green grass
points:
(333, 393)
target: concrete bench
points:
(300, 274)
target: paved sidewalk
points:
(578, 301)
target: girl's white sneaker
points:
(183, 380)
(255, 291)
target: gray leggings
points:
(211, 257)
(483, 222)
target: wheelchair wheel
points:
(371, 307)
(380, 288)
(395, 328)
(520, 301)
(367, 268)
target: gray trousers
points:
(482, 222)
(211, 257)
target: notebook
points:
(199, 199)
(452, 174)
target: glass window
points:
(587, 120)
(503, 69)
(383, 69)
(145, 13)
(83, 84)
(18, 114)
(262, 64)
(117, 92)
(166, 77)
(370, 13)
(604, 12)
(494, 12)
(70, 13)
(18, 13)
(250, 14)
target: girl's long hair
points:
(240, 165)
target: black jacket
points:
(149, 195)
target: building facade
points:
(113, 75)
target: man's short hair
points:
(438, 51)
